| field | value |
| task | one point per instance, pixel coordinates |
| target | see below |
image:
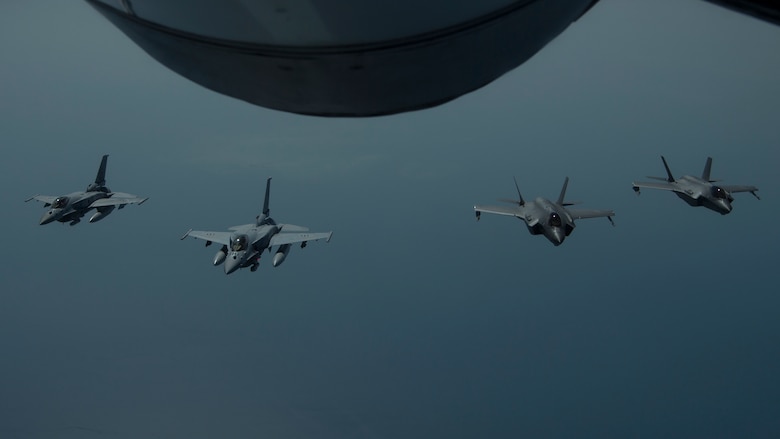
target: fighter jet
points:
(698, 191)
(243, 245)
(72, 207)
(554, 220)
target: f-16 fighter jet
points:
(553, 219)
(72, 207)
(243, 245)
(698, 191)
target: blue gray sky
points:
(415, 321)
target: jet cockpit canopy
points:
(718, 192)
(60, 202)
(238, 243)
(555, 220)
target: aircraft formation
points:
(243, 245)
(555, 220)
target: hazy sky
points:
(415, 321)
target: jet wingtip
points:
(186, 234)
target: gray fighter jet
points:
(554, 220)
(698, 191)
(72, 207)
(243, 245)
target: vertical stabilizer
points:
(707, 167)
(563, 191)
(267, 193)
(670, 178)
(519, 196)
(100, 179)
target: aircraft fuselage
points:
(71, 207)
(543, 217)
(698, 192)
(247, 244)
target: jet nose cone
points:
(725, 207)
(232, 263)
(48, 217)
(557, 236)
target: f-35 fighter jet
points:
(698, 191)
(72, 207)
(243, 245)
(554, 220)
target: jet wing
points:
(655, 185)
(515, 211)
(290, 238)
(118, 199)
(293, 228)
(242, 227)
(42, 198)
(739, 188)
(501, 210)
(218, 237)
(589, 213)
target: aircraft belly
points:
(345, 78)
(688, 199)
(536, 229)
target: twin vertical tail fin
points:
(670, 178)
(563, 191)
(707, 167)
(520, 199)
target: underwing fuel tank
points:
(342, 58)
(101, 213)
(281, 255)
(220, 256)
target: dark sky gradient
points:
(415, 321)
